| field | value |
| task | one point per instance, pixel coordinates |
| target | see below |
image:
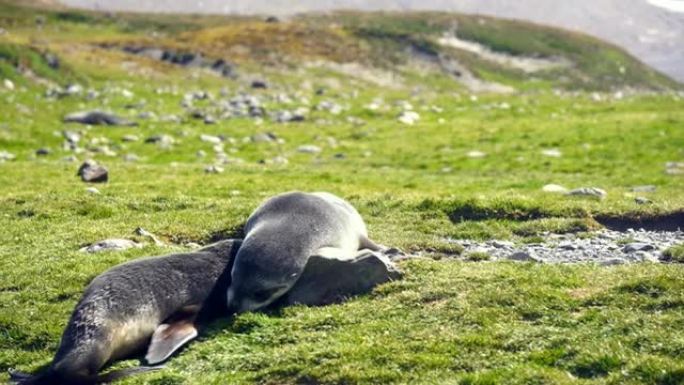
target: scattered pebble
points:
(91, 172)
(643, 189)
(642, 201)
(476, 154)
(588, 192)
(409, 117)
(604, 247)
(210, 139)
(8, 84)
(213, 169)
(111, 245)
(555, 188)
(92, 190)
(43, 151)
(309, 149)
(552, 153)
(5, 156)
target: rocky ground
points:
(604, 247)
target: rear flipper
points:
(171, 336)
(330, 276)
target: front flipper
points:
(330, 276)
(170, 336)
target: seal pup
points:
(156, 301)
(281, 236)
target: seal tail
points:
(52, 378)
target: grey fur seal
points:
(282, 235)
(160, 300)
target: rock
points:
(552, 153)
(71, 136)
(524, 256)
(409, 117)
(259, 84)
(502, 244)
(43, 151)
(92, 190)
(131, 158)
(210, 139)
(162, 140)
(309, 149)
(567, 246)
(213, 169)
(5, 156)
(638, 246)
(130, 138)
(96, 118)
(642, 201)
(643, 189)
(111, 245)
(201, 154)
(594, 192)
(91, 172)
(8, 84)
(554, 188)
(613, 262)
(476, 154)
(263, 137)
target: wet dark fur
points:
(154, 287)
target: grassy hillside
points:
(450, 320)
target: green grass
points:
(674, 254)
(448, 321)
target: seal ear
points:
(169, 337)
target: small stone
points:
(111, 245)
(209, 120)
(524, 256)
(71, 136)
(4, 156)
(91, 172)
(552, 153)
(642, 201)
(131, 158)
(409, 117)
(502, 244)
(259, 84)
(213, 169)
(309, 149)
(638, 246)
(643, 189)
(567, 246)
(554, 188)
(130, 138)
(613, 262)
(476, 154)
(263, 137)
(8, 84)
(92, 190)
(43, 151)
(161, 140)
(201, 154)
(210, 139)
(588, 192)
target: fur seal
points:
(159, 300)
(281, 236)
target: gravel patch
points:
(605, 247)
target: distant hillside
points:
(479, 53)
(651, 33)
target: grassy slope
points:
(448, 321)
